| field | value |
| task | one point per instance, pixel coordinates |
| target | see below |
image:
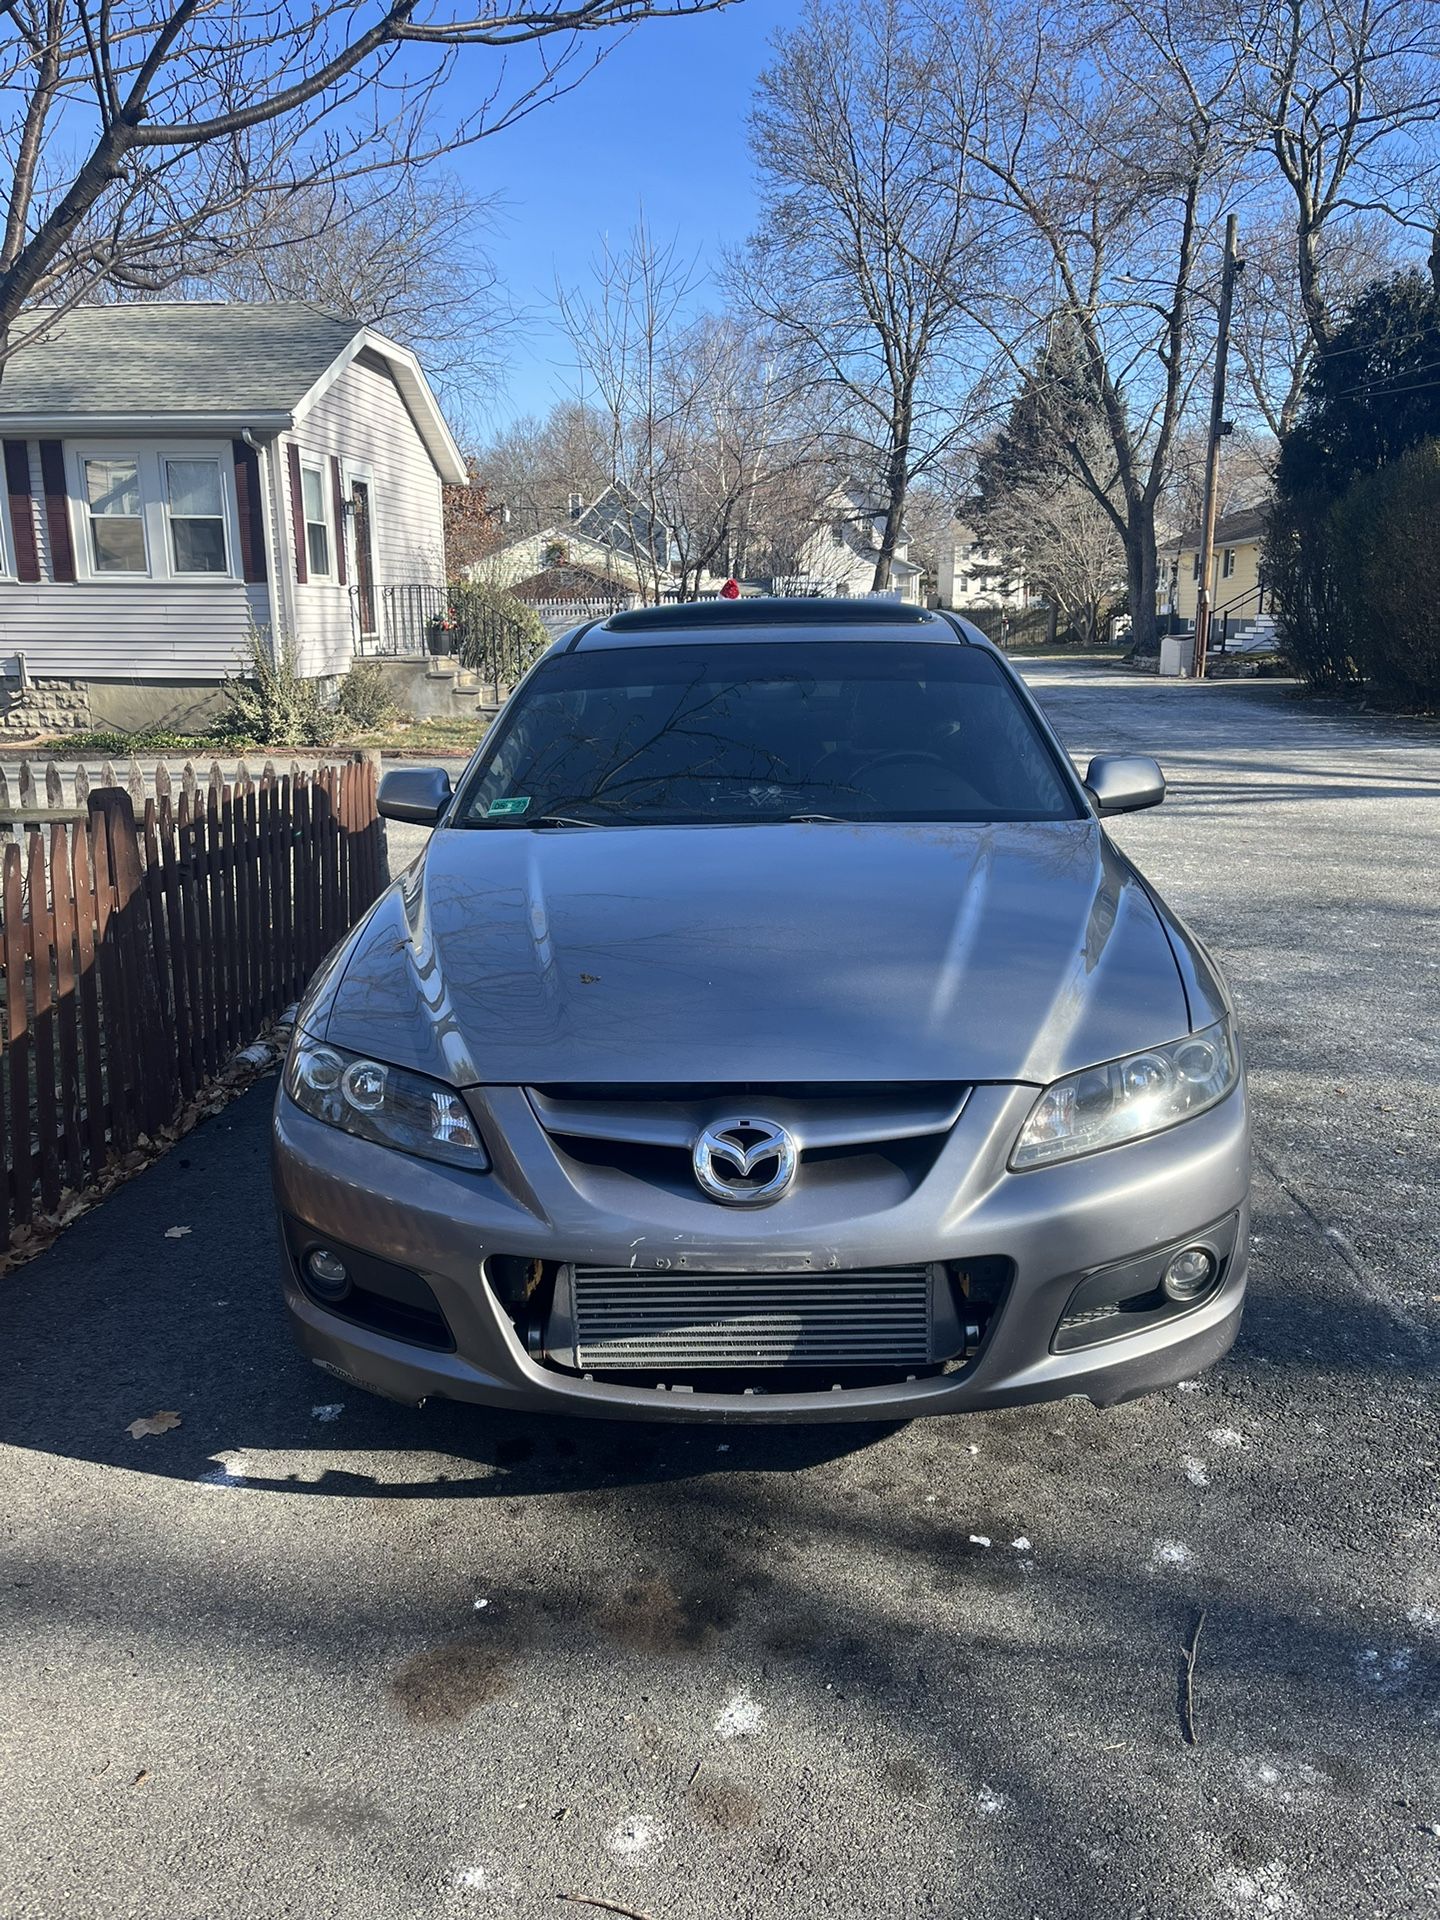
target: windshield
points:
(738, 733)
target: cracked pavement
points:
(309, 1654)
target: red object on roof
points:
(730, 590)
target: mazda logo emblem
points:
(744, 1162)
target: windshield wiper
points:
(814, 819)
(559, 820)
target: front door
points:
(364, 558)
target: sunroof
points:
(759, 611)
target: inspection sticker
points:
(516, 804)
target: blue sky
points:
(660, 125)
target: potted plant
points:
(441, 628)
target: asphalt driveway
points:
(308, 1654)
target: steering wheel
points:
(915, 754)
(922, 756)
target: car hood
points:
(767, 955)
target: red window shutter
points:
(22, 510)
(297, 513)
(250, 510)
(338, 486)
(57, 511)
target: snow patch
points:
(633, 1834)
(471, 1879)
(1228, 1438)
(1196, 1471)
(1264, 1889)
(979, 1539)
(1170, 1553)
(1384, 1672)
(332, 1410)
(1283, 1781)
(990, 1802)
(741, 1716)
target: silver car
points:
(769, 1031)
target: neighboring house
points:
(1237, 585)
(563, 596)
(973, 574)
(571, 583)
(839, 555)
(180, 472)
(614, 537)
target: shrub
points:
(1305, 564)
(271, 703)
(363, 700)
(1387, 524)
(1351, 551)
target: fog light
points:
(1190, 1273)
(328, 1276)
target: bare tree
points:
(1059, 538)
(1247, 464)
(860, 265)
(404, 253)
(1342, 97)
(1103, 152)
(623, 325)
(138, 131)
(530, 470)
(701, 426)
(930, 524)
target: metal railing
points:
(470, 623)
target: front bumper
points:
(1054, 1224)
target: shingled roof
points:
(201, 362)
(174, 357)
(1231, 530)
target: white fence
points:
(557, 615)
(814, 586)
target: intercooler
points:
(629, 1319)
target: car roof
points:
(750, 619)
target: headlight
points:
(389, 1105)
(1126, 1099)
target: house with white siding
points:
(838, 556)
(180, 473)
(975, 574)
(614, 536)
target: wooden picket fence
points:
(143, 940)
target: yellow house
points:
(1238, 592)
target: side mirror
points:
(416, 795)
(1124, 782)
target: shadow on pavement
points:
(117, 1321)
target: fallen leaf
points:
(157, 1423)
(141, 1777)
(176, 1233)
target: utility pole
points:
(1219, 427)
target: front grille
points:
(879, 1317)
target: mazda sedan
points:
(769, 1031)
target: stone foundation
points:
(46, 706)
